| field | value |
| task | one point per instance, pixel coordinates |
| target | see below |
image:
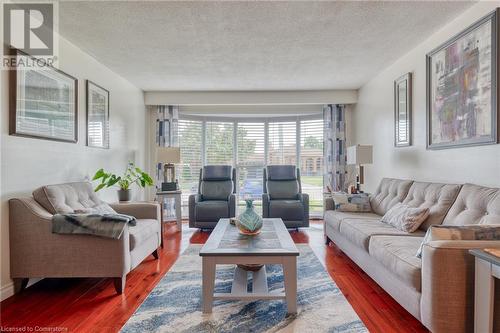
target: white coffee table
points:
(272, 246)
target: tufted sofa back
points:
(437, 197)
(389, 192)
(66, 198)
(475, 205)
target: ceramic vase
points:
(249, 222)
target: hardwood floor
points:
(92, 305)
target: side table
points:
(176, 195)
(487, 269)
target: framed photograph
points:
(402, 110)
(43, 102)
(462, 88)
(97, 116)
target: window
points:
(311, 166)
(219, 146)
(190, 134)
(282, 144)
(244, 145)
(251, 161)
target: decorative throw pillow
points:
(103, 208)
(405, 218)
(451, 232)
(352, 202)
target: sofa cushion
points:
(211, 211)
(437, 197)
(404, 217)
(216, 189)
(397, 254)
(143, 230)
(359, 231)
(287, 210)
(333, 217)
(389, 192)
(66, 198)
(475, 205)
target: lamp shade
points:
(168, 155)
(360, 154)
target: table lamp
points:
(360, 155)
(169, 156)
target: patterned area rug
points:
(174, 305)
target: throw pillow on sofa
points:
(357, 203)
(450, 232)
(405, 218)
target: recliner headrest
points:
(281, 172)
(217, 172)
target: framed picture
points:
(43, 102)
(402, 110)
(462, 88)
(97, 116)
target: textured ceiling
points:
(250, 45)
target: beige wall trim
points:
(250, 97)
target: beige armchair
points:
(36, 252)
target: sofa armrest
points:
(265, 205)
(329, 203)
(37, 252)
(139, 210)
(447, 303)
(232, 205)
(304, 198)
(193, 200)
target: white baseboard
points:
(7, 291)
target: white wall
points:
(28, 163)
(373, 120)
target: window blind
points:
(190, 134)
(282, 144)
(311, 163)
(251, 159)
(219, 142)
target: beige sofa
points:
(439, 288)
(35, 252)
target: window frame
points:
(265, 120)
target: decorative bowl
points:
(251, 267)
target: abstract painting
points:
(462, 88)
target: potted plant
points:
(132, 175)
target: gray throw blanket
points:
(105, 225)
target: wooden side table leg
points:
(208, 283)
(290, 276)
(161, 222)
(178, 211)
(483, 301)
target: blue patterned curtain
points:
(167, 135)
(335, 147)
(167, 126)
(167, 132)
